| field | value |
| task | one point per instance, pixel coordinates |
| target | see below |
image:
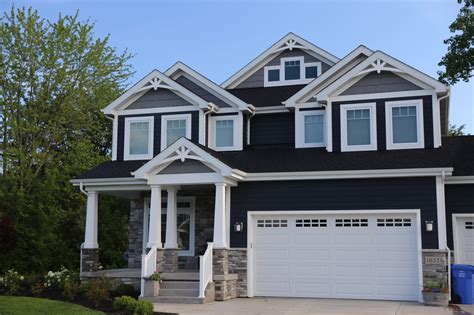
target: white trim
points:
(436, 121)
(281, 67)
(459, 180)
(237, 132)
(457, 247)
(250, 236)
(164, 130)
(202, 127)
(126, 146)
(300, 128)
(441, 213)
(420, 134)
(329, 126)
(290, 42)
(157, 110)
(345, 147)
(271, 110)
(114, 137)
(369, 96)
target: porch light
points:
(238, 227)
(429, 226)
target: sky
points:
(218, 37)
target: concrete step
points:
(179, 292)
(166, 284)
(175, 299)
(181, 276)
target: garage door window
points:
(272, 223)
(469, 225)
(311, 223)
(352, 222)
(393, 222)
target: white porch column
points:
(219, 217)
(227, 214)
(154, 234)
(171, 228)
(90, 237)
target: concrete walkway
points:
(294, 306)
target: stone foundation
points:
(170, 260)
(90, 259)
(238, 265)
(435, 266)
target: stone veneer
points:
(135, 239)
(226, 283)
(170, 260)
(435, 266)
(90, 259)
(238, 265)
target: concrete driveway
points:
(279, 306)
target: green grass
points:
(27, 305)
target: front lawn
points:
(29, 305)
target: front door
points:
(185, 224)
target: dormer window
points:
(174, 127)
(290, 71)
(225, 132)
(404, 124)
(358, 127)
(138, 138)
(310, 129)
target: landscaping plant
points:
(98, 290)
(12, 282)
(132, 306)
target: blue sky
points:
(217, 38)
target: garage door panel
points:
(352, 271)
(351, 238)
(309, 271)
(273, 287)
(272, 254)
(315, 240)
(312, 254)
(351, 254)
(313, 289)
(274, 270)
(353, 290)
(402, 291)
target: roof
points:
(113, 169)
(266, 96)
(461, 149)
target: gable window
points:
(404, 121)
(174, 127)
(138, 138)
(225, 132)
(358, 127)
(291, 70)
(312, 72)
(310, 129)
(273, 75)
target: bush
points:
(37, 288)
(125, 289)
(70, 290)
(12, 281)
(57, 280)
(132, 306)
(98, 290)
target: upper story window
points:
(310, 129)
(225, 133)
(174, 127)
(291, 70)
(358, 127)
(138, 138)
(404, 121)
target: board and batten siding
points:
(272, 129)
(256, 79)
(380, 83)
(156, 132)
(158, 98)
(381, 124)
(347, 194)
(459, 199)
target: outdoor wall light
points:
(238, 227)
(429, 226)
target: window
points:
(225, 132)
(174, 127)
(404, 124)
(138, 138)
(291, 70)
(310, 129)
(358, 127)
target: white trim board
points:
(126, 146)
(459, 180)
(164, 129)
(420, 124)
(372, 146)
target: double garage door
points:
(366, 256)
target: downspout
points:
(252, 113)
(443, 176)
(448, 94)
(81, 188)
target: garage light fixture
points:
(429, 226)
(238, 227)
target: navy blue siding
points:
(350, 194)
(272, 129)
(459, 199)
(157, 131)
(380, 109)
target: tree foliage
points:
(55, 76)
(455, 130)
(459, 60)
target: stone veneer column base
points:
(225, 283)
(90, 259)
(237, 258)
(170, 260)
(160, 260)
(435, 266)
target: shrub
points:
(132, 306)
(12, 281)
(56, 280)
(125, 289)
(70, 290)
(155, 276)
(37, 288)
(98, 290)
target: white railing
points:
(148, 267)
(205, 270)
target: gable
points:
(257, 79)
(186, 167)
(200, 91)
(384, 81)
(158, 98)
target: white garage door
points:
(465, 230)
(372, 256)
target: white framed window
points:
(138, 138)
(310, 128)
(291, 70)
(404, 120)
(174, 127)
(225, 132)
(358, 127)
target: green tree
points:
(55, 76)
(459, 60)
(454, 130)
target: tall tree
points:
(459, 60)
(55, 76)
(455, 130)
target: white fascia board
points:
(330, 89)
(293, 100)
(107, 181)
(119, 103)
(262, 58)
(180, 66)
(459, 180)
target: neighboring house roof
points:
(290, 41)
(461, 149)
(266, 96)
